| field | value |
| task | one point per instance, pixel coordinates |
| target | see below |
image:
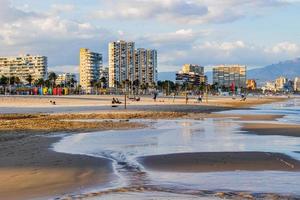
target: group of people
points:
(115, 101)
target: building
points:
(251, 84)
(280, 83)
(269, 86)
(89, 68)
(23, 66)
(191, 74)
(297, 84)
(65, 79)
(145, 69)
(121, 62)
(228, 75)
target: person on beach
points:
(174, 96)
(154, 96)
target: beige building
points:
(121, 62)
(297, 84)
(23, 66)
(89, 68)
(65, 78)
(145, 69)
(280, 83)
(191, 74)
(251, 84)
(188, 68)
(226, 75)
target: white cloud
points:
(284, 47)
(184, 11)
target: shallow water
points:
(182, 135)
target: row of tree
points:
(49, 82)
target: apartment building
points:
(23, 66)
(191, 74)
(280, 83)
(89, 68)
(121, 62)
(228, 75)
(145, 69)
(65, 78)
(297, 84)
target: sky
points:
(205, 32)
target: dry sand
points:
(28, 169)
(272, 129)
(92, 104)
(220, 161)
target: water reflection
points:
(207, 135)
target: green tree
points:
(52, 78)
(29, 79)
(39, 82)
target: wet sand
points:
(220, 161)
(239, 117)
(271, 129)
(29, 169)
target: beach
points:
(30, 126)
(220, 161)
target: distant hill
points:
(289, 69)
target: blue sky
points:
(206, 32)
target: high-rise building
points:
(280, 83)
(145, 69)
(228, 75)
(192, 74)
(297, 84)
(121, 62)
(89, 69)
(23, 66)
(65, 78)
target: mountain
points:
(289, 69)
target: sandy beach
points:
(26, 174)
(96, 104)
(220, 161)
(271, 129)
(29, 169)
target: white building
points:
(89, 69)
(121, 62)
(269, 86)
(23, 66)
(65, 78)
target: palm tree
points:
(3, 80)
(39, 82)
(52, 78)
(103, 82)
(29, 79)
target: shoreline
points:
(13, 140)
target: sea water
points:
(123, 147)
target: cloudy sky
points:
(206, 32)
